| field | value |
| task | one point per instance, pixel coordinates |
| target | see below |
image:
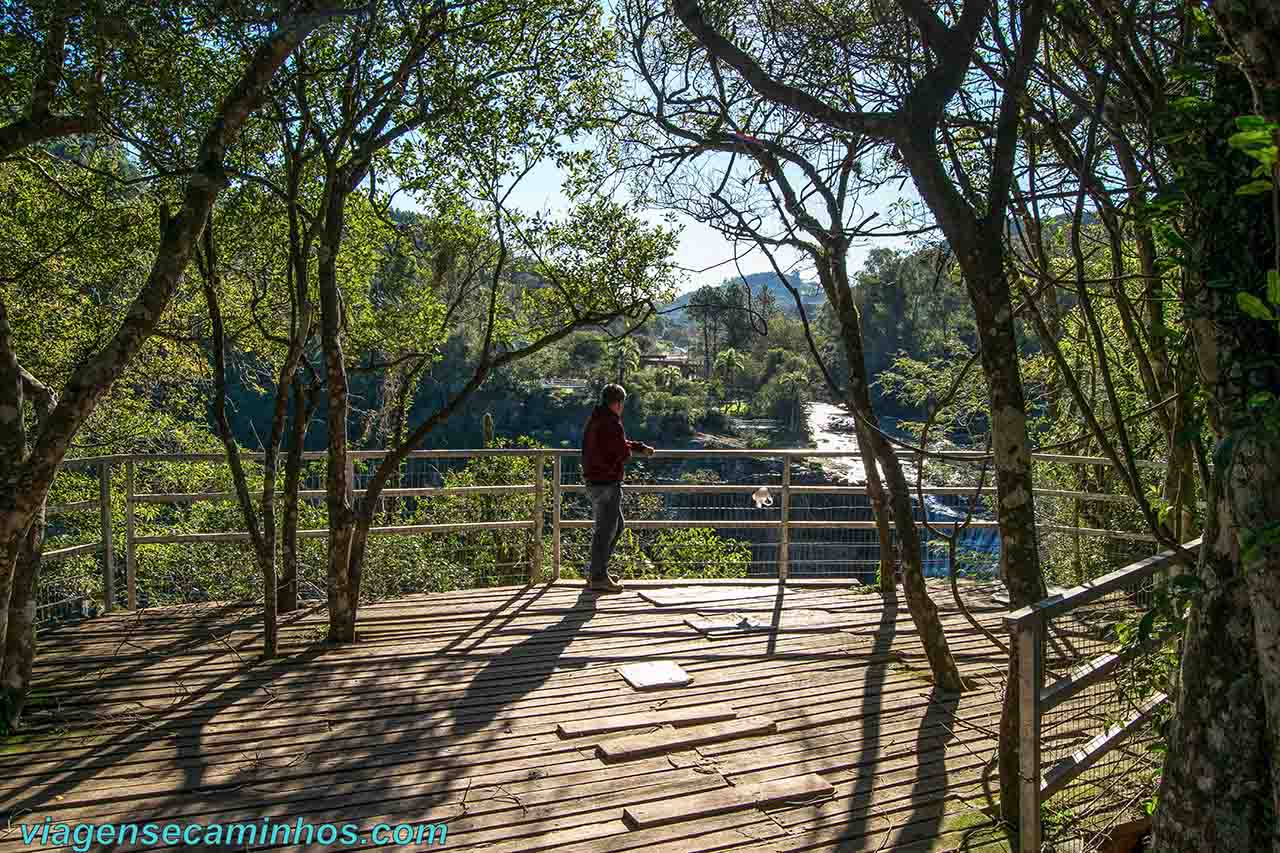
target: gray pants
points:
(606, 509)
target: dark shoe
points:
(608, 583)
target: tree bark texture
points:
(1221, 783)
(338, 485)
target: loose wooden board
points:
(695, 715)
(670, 739)
(735, 624)
(731, 799)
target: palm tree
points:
(729, 362)
(626, 355)
(668, 377)
(793, 384)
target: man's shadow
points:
(512, 674)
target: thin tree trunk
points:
(338, 486)
(263, 547)
(924, 613)
(879, 509)
(287, 599)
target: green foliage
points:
(699, 553)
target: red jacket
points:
(605, 447)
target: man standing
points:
(605, 449)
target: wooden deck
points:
(447, 711)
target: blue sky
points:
(704, 256)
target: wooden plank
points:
(427, 491)
(404, 530)
(1090, 672)
(694, 715)
(716, 627)
(670, 739)
(730, 799)
(76, 506)
(676, 524)
(693, 597)
(681, 489)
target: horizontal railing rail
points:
(548, 499)
(957, 456)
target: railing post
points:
(108, 547)
(557, 472)
(130, 549)
(1030, 676)
(535, 567)
(784, 529)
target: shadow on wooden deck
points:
(446, 711)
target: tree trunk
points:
(1213, 789)
(1019, 550)
(14, 518)
(879, 510)
(262, 539)
(287, 598)
(338, 485)
(1220, 789)
(924, 613)
(20, 640)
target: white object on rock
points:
(762, 497)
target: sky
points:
(704, 256)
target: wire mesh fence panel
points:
(694, 514)
(72, 576)
(714, 489)
(1103, 708)
(478, 490)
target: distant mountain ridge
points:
(810, 292)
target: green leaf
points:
(1189, 102)
(1252, 123)
(1255, 188)
(1262, 400)
(1176, 240)
(1247, 140)
(1253, 306)
(1273, 287)
(1144, 627)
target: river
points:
(831, 428)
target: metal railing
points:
(813, 528)
(53, 597)
(1084, 732)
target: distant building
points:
(668, 360)
(564, 384)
